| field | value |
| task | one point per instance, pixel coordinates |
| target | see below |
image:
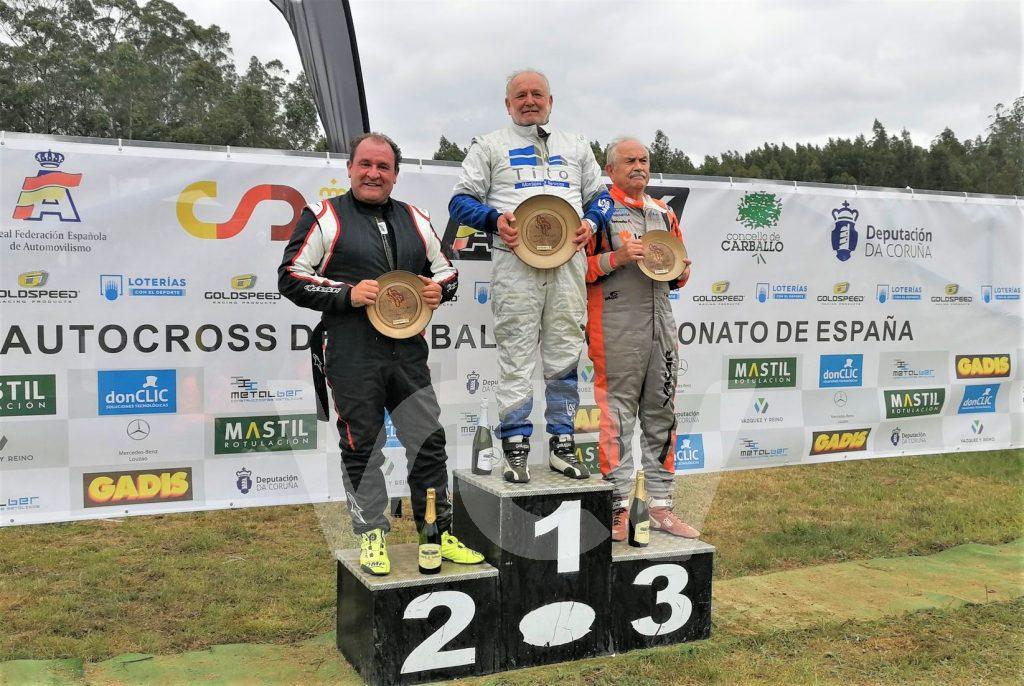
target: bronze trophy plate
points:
(664, 256)
(547, 226)
(399, 311)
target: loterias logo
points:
(482, 292)
(839, 441)
(763, 372)
(27, 395)
(48, 193)
(31, 290)
(990, 293)
(901, 292)
(837, 371)
(979, 398)
(844, 231)
(137, 391)
(242, 291)
(781, 291)
(689, 451)
(112, 286)
(982, 366)
(200, 190)
(137, 487)
(914, 403)
(267, 433)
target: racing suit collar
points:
(619, 196)
(535, 131)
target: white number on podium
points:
(671, 595)
(566, 519)
(428, 655)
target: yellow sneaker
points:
(457, 552)
(373, 553)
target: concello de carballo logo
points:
(191, 196)
(48, 193)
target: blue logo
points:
(112, 286)
(897, 292)
(781, 291)
(883, 292)
(990, 293)
(137, 391)
(986, 294)
(586, 373)
(482, 291)
(844, 233)
(392, 435)
(841, 370)
(761, 405)
(473, 382)
(690, 451)
(519, 157)
(244, 482)
(979, 398)
(674, 295)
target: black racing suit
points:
(336, 244)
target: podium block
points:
(408, 628)
(550, 541)
(660, 594)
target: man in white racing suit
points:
(533, 308)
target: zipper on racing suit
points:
(383, 228)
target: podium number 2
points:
(428, 655)
(671, 595)
(566, 520)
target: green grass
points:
(172, 583)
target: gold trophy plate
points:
(547, 226)
(663, 256)
(399, 311)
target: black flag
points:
(327, 45)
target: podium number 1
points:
(428, 655)
(566, 520)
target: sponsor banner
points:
(839, 441)
(762, 448)
(912, 369)
(756, 410)
(976, 432)
(912, 299)
(127, 488)
(135, 439)
(841, 406)
(917, 402)
(917, 436)
(33, 445)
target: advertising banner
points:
(149, 364)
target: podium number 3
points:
(566, 520)
(671, 595)
(428, 655)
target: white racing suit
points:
(533, 307)
(631, 338)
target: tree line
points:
(118, 69)
(993, 163)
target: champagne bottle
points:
(430, 538)
(483, 443)
(639, 515)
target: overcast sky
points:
(714, 75)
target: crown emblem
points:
(845, 212)
(243, 473)
(49, 159)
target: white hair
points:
(519, 72)
(610, 150)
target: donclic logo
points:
(200, 190)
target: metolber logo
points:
(138, 487)
(982, 366)
(26, 395)
(200, 190)
(764, 372)
(844, 441)
(269, 433)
